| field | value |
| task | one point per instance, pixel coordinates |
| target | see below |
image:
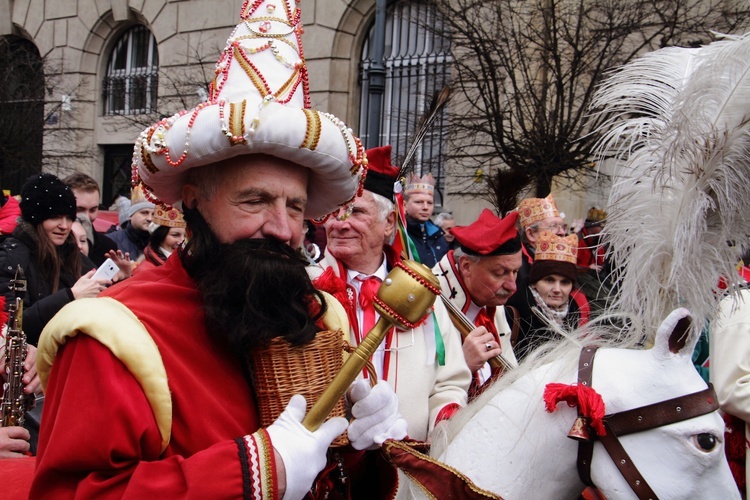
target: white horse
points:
(507, 444)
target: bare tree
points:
(525, 72)
(181, 86)
(38, 129)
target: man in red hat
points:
(425, 365)
(479, 277)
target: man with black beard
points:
(149, 390)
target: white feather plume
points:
(679, 209)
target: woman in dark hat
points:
(551, 292)
(43, 246)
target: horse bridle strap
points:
(636, 420)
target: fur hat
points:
(44, 196)
(489, 235)
(554, 255)
(259, 103)
(381, 175)
(533, 210)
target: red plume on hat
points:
(489, 235)
(381, 175)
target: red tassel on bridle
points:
(586, 399)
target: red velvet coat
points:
(99, 437)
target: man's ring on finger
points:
(488, 346)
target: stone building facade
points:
(86, 130)
(96, 101)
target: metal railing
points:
(130, 94)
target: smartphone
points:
(106, 271)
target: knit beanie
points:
(138, 201)
(43, 197)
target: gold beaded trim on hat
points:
(283, 93)
(237, 122)
(312, 131)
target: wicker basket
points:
(281, 370)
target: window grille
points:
(132, 80)
(417, 65)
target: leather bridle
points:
(635, 420)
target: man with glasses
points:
(424, 366)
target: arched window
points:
(417, 64)
(130, 86)
(21, 111)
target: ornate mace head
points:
(407, 294)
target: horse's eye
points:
(705, 441)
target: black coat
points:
(518, 299)
(130, 240)
(40, 304)
(101, 245)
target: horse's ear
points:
(675, 334)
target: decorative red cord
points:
(586, 399)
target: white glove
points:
(303, 452)
(376, 416)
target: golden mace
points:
(403, 300)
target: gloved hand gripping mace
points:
(403, 300)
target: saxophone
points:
(15, 402)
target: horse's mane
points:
(617, 330)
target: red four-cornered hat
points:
(489, 235)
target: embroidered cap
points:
(416, 184)
(489, 235)
(164, 215)
(533, 210)
(259, 103)
(381, 175)
(554, 255)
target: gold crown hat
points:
(595, 216)
(259, 103)
(416, 184)
(533, 210)
(554, 255)
(138, 201)
(549, 246)
(164, 215)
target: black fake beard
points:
(253, 290)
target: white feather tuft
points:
(680, 135)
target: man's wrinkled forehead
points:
(501, 263)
